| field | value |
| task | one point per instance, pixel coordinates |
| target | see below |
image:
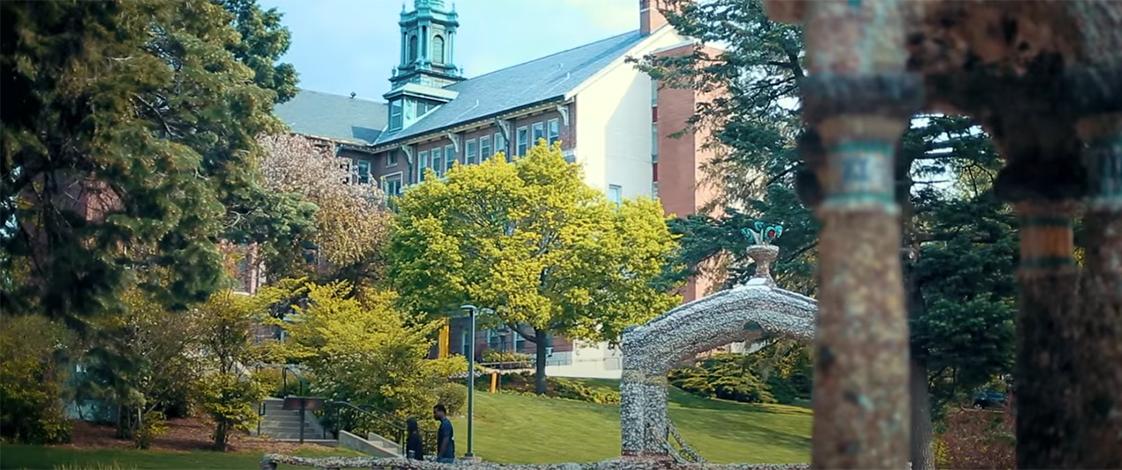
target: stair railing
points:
(346, 416)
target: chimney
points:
(650, 19)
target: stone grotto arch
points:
(750, 312)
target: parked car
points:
(989, 399)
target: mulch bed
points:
(184, 434)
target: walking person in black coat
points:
(414, 445)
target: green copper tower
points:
(428, 45)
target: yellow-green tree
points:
(531, 240)
(361, 348)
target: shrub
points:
(151, 427)
(453, 396)
(976, 439)
(31, 380)
(573, 390)
(231, 401)
(523, 382)
(508, 359)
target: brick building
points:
(609, 117)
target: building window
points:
(422, 163)
(554, 131)
(347, 165)
(449, 158)
(654, 93)
(412, 48)
(470, 154)
(521, 136)
(654, 144)
(654, 189)
(391, 158)
(485, 151)
(362, 171)
(391, 184)
(437, 162)
(615, 193)
(395, 115)
(438, 49)
(500, 143)
(539, 132)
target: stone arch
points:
(750, 312)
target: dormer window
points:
(438, 49)
(395, 115)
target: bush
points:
(276, 385)
(508, 359)
(31, 380)
(781, 372)
(976, 439)
(572, 389)
(453, 396)
(231, 401)
(151, 427)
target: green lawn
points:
(64, 458)
(514, 428)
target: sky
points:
(344, 46)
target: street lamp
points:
(472, 310)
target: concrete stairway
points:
(284, 425)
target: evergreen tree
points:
(128, 151)
(264, 40)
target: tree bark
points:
(921, 453)
(220, 437)
(539, 361)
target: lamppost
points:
(472, 310)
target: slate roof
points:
(336, 117)
(520, 85)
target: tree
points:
(128, 151)
(228, 390)
(956, 234)
(352, 223)
(139, 359)
(33, 353)
(263, 41)
(362, 349)
(530, 239)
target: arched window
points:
(438, 49)
(412, 48)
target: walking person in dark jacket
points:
(414, 445)
(445, 440)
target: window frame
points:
(449, 158)
(484, 156)
(471, 150)
(436, 161)
(399, 105)
(358, 166)
(521, 134)
(618, 190)
(553, 131)
(391, 158)
(537, 132)
(399, 176)
(504, 147)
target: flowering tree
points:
(351, 220)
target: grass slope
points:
(513, 428)
(40, 457)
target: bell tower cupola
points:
(428, 45)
